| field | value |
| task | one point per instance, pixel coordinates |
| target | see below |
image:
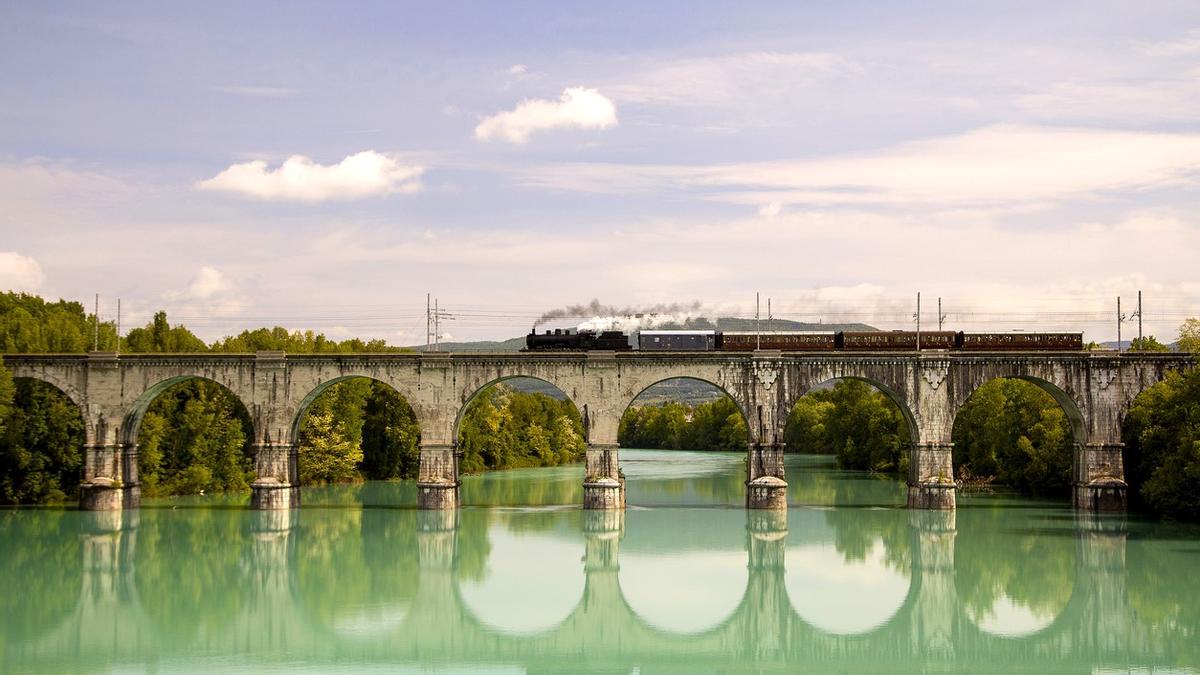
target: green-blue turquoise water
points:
(522, 580)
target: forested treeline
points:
(715, 425)
(853, 421)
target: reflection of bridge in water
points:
(110, 626)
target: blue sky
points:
(325, 165)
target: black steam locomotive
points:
(800, 341)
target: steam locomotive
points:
(798, 341)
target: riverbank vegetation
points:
(712, 425)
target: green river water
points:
(522, 580)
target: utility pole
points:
(757, 324)
(428, 322)
(917, 317)
(1120, 318)
(118, 325)
(770, 318)
(437, 330)
(1139, 316)
(941, 317)
(96, 325)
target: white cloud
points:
(365, 174)
(19, 272)
(208, 282)
(770, 210)
(518, 69)
(993, 165)
(578, 107)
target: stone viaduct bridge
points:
(1095, 390)
(112, 623)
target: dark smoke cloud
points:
(596, 309)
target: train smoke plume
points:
(608, 317)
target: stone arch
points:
(472, 395)
(892, 394)
(302, 406)
(1071, 407)
(137, 411)
(67, 389)
(742, 406)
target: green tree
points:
(1162, 446)
(854, 421)
(29, 324)
(1147, 344)
(1189, 336)
(504, 429)
(160, 336)
(7, 391)
(390, 436)
(1013, 431)
(195, 437)
(41, 449)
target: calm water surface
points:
(522, 580)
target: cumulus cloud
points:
(364, 174)
(770, 210)
(208, 282)
(578, 108)
(19, 272)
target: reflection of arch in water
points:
(839, 596)
(698, 583)
(534, 583)
(998, 561)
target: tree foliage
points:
(1189, 336)
(854, 421)
(297, 342)
(160, 336)
(715, 425)
(506, 429)
(1162, 446)
(1147, 344)
(1012, 430)
(30, 324)
(41, 449)
(195, 437)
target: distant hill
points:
(1123, 345)
(725, 323)
(511, 345)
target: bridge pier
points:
(765, 485)
(278, 482)
(603, 484)
(1099, 473)
(437, 478)
(110, 478)
(931, 476)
